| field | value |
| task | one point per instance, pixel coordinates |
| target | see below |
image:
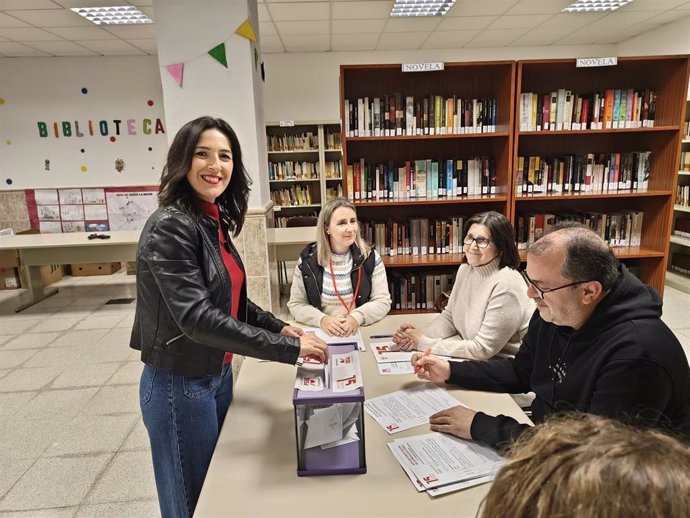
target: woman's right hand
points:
(407, 337)
(312, 346)
(430, 367)
(333, 326)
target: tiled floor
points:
(72, 441)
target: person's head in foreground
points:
(586, 466)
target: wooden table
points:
(36, 250)
(253, 470)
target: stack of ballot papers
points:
(335, 340)
(330, 426)
(390, 359)
(408, 408)
(438, 463)
(341, 374)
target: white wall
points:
(49, 90)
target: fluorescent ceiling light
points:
(116, 15)
(403, 8)
(591, 6)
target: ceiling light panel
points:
(406, 8)
(592, 6)
(115, 15)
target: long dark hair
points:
(175, 189)
(502, 234)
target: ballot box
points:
(329, 415)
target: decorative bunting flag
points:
(218, 53)
(246, 30)
(176, 70)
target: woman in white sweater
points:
(488, 310)
(339, 283)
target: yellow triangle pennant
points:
(246, 30)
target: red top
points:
(236, 275)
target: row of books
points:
(333, 141)
(334, 192)
(566, 110)
(684, 161)
(415, 237)
(294, 195)
(295, 170)
(395, 115)
(680, 263)
(282, 221)
(686, 130)
(418, 290)
(430, 179)
(682, 227)
(618, 229)
(303, 142)
(683, 195)
(334, 169)
(603, 172)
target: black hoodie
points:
(624, 362)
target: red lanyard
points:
(335, 287)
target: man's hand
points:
(291, 331)
(312, 346)
(407, 337)
(430, 367)
(456, 421)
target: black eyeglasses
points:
(542, 292)
(482, 242)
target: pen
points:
(381, 336)
(426, 353)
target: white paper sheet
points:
(392, 368)
(408, 408)
(345, 374)
(355, 338)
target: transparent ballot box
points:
(329, 419)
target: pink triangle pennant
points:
(176, 70)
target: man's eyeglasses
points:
(482, 242)
(542, 292)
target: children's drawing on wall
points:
(49, 212)
(130, 210)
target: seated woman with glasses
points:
(488, 310)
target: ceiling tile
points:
(141, 3)
(462, 23)
(342, 42)
(17, 50)
(401, 40)
(10, 21)
(307, 27)
(271, 44)
(539, 7)
(89, 3)
(670, 16)
(519, 21)
(263, 13)
(584, 36)
(81, 33)
(481, 7)
(425, 24)
(496, 37)
(538, 36)
(362, 10)
(30, 34)
(139, 31)
(147, 45)
(148, 11)
(108, 46)
(653, 5)
(572, 20)
(266, 29)
(299, 11)
(449, 39)
(62, 48)
(361, 26)
(6, 5)
(51, 18)
(306, 42)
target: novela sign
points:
(422, 67)
(596, 62)
(102, 128)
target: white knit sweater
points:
(372, 311)
(487, 314)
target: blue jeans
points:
(183, 417)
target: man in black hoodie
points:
(595, 344)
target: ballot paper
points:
(441, 463)
(345, 372)
(385, 351)
(408, 408)
(310, 375)
(331, 425)
(335, 340)
(391, 368)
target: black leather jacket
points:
(182, 322)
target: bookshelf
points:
(679, 258)
(666, 77)
(480, 95)
(304, 157)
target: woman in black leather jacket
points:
(193, 312)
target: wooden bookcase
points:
(493, 80)
(322, 151)
(668, 77)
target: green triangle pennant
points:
(218, 53)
